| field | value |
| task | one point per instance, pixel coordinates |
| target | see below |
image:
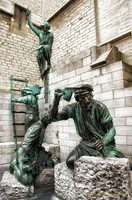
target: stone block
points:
(104, 96)
(7, 6)
(93, 178)
(118, 75)
(12, 189)
(87, 61)
(119, 121)
(125, 92)
(106, 78)
(112, 85)
(124, 130)
(90, 74)
(64, 182)
(129, 121)
(45, 178)
(121, 140)
(99, 178)
(111, 68)
(83, 69)
(114, 103)
(123, 112)
(75, 79)
(128, 101)
(129, 140)
(54, 149)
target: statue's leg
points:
(24, 177)
(76, 153)
(41, 61)
(47, 55)
(41, 137)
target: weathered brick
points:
(121, 140)
(104, 95)
(128, 101)
(125, 92)
(129, 140)
(87, 61)
(90, 74)
(129, 121)
(123, 112)
(68, 75)
(75, 79)
(123, 130)
(112, 67)
(119, 121)
(117, 75)
(102, 79)
(115, 103)
(83, 69)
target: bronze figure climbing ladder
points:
(13, 112)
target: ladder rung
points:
(14, 79)
(18, 112)
(15, 90)
(18, 123)
(17, 102)
(18, 136)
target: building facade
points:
(92, 44)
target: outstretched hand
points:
(28, 12)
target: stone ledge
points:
(7, 7)
(94, 178)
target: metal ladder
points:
(13, 112)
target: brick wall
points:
(113, 19)
(36, 8)
(51, 7)
(74, 30)
(108, 83)
(17, 60)
(77, 28)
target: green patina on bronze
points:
(31, 157)
(44, 49)
(93, 123)
(29, 97)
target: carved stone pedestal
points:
(94, 178)
(12, 189)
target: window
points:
(18, 25)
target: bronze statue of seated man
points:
(93, 123)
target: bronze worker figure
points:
(93, 123)
(30, 99)
(45, 44)
(32, 157)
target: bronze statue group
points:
(92, 120)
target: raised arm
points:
(34, 29)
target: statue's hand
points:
(59, 92)
(99, 145)
(28, 12)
